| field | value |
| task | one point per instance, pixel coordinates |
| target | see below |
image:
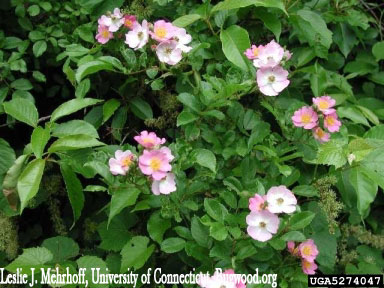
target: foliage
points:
(67, 103)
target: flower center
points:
(168, 51)
(128, 23)
(330, 121)
(155, 164)
(223, 286)
(306, 118)
(262, 224)
(140, 35)
(148, 141)
(307, 264)
(161, 32)
(320, 132)
(271, 78)
(280, 201)
(255, 52)
(307, 250)
(323, 105)
(105, 34)
(126, 162)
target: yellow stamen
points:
(105, 34)
(161, 32)
(306, 118)
(128, 23)
(320, 133)
(306, 250)
(148, 140)
(307, 264)
(255, 52)
(155, 164)
(126, 162)
(263, 225)
(330, 121)
(323, 105)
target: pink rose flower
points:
(308, 250)
(305, 117)
(292, 249)
(272, 81)
(164, 186)
(113, 21)
(103, 35)
(121, 163)
(256, 203)
(309, 268)
(270, 56)
(262, 225)
(332, 123)
(129, 21)
(320, 135)
(325, 104)
(183, 39)
(281, 200)
(253, 52)
(239, 284)
(138, 36)
(155, 163)
(149, 140)
(168, 52)
(163, 31)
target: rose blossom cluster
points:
(308, 118)
(153, 162)
(171, 41)
(221, 280)
(308, 252)
(262, 221)
(271, 77)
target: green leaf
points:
(40, 77)
(206, 159)
(74, 127)
(190, 101)
(74, 142)
(186, 117)
(10, 179)
(22, 110)
(141, 108)
(39, 48)
(157, 226)
(124, 196)
(62, 248)
(271, 21)
(352, 113)
(7, 156)
(345, 38)
(39, 139)
(172, 245)
(83, 88)
(91, 68)
(186, 20)
(72, 106)
(301, 220)
(21, 84)
(109, 108)
(218, 231)
(378, 50)
(200, 232)
(74, 190)
(31, 258)
(235, 4)
(89, 263)
(29, 181)
(365, 189)
(215, 209)
(333, 152)
(305, 190)
(34, 10)
(135, 253)
(235, 40)
(294, 236)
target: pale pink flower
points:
(253, 52)
(256, 203)
(217, 280)
(262, 224)
(270, 56)
(154, 163)
(168, 52)
(320, 135)
(309, 268)
(239, 284)
(325, 104)
(292, 249)
(332, 123)
(183, 39)
(167, 152)
(308, 250)
(149, 140)
(164, 186)
(121, 163)
(287, 55)
(272, 81)
(305, 117)
(103, 35)
(281, 200)
(113, 21)
(163, 31)
(138, 36)
(129, 21)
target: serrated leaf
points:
(141, 108)
(22, 110)
(123, 197)
(74, 142)
(172, 245)
(332, 153)
(39, 48)
(89, 263)
(186, 20)
(185, 118)
(29, 181)
(206, 158)
(39, 139)
(135, 253)
(235, 4)
(62, 248)
(31, 258)
(215, 209)
(72, 106)
(109, 108)
(91, 68)
(74, 127)
(157, 226)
